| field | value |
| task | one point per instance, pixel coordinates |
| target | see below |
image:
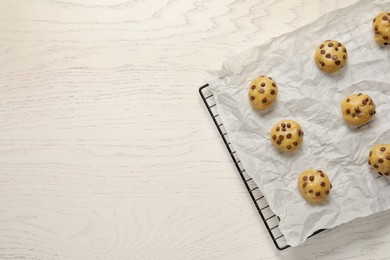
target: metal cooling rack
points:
(271, 221)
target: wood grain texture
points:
(106, 150)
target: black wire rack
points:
(271, 221)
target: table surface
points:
(106, 149)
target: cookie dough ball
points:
(331, 56)
(314, 185)
(262, 92)
(287, 135)
(381, 27)
(358, 109)
(379, 159)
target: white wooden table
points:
(106, 149)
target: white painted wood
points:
(106, 150)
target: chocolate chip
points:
(376, 28)
(279, 142)
(322, 51)
(253, 87)
(330, 44)
(383, 149)
(385, 43)
(327, 55)
(303, 133)
(305, 178)
(289, 147)
(334, 57)
(387, 173)
(348, 100)
(337, 62)
(344, 50)
(274, 137)
(322, 63)
(385, 37)
(380, 160)
(270, 78)
(281, 137)
(339, 44)
(348, 111)
(288, 136)
(274, 85)
(331, 185)
(380, 173)
(283, 125)
(370, 153)
(344, 57)
(371, 113)
(311, 178)
(277, 129)
(384, 18)
(264, 100)
(388, 157)
(304, 185)
(336, 49)
(327, 192)
(296, 144)
(310, 191)
(322, 175)
(359, 94)
(299, 132)
(252, 98)
(322, 46)
(284, 129)
(357, 110)
(353, 115)
(364, 102)
(374, 20)
(288, 125)
(272, 92)
(261, 90)
(318, 193)
(323, 184)
(262, 84)
(376, 166)
(369, 162)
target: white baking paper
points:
(313, 99)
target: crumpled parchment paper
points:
(313, 99)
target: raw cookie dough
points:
(358, 109)
(287, 135)
(379, 159)
(314, 185)
(381, 27)
(331, 56)
(262, 92)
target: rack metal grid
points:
(271, 221)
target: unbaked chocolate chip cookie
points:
(262, 92)
(314, 185)
(379, 159)
(381, 27)
(358, 109)
(286, 135)
(331, 56)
